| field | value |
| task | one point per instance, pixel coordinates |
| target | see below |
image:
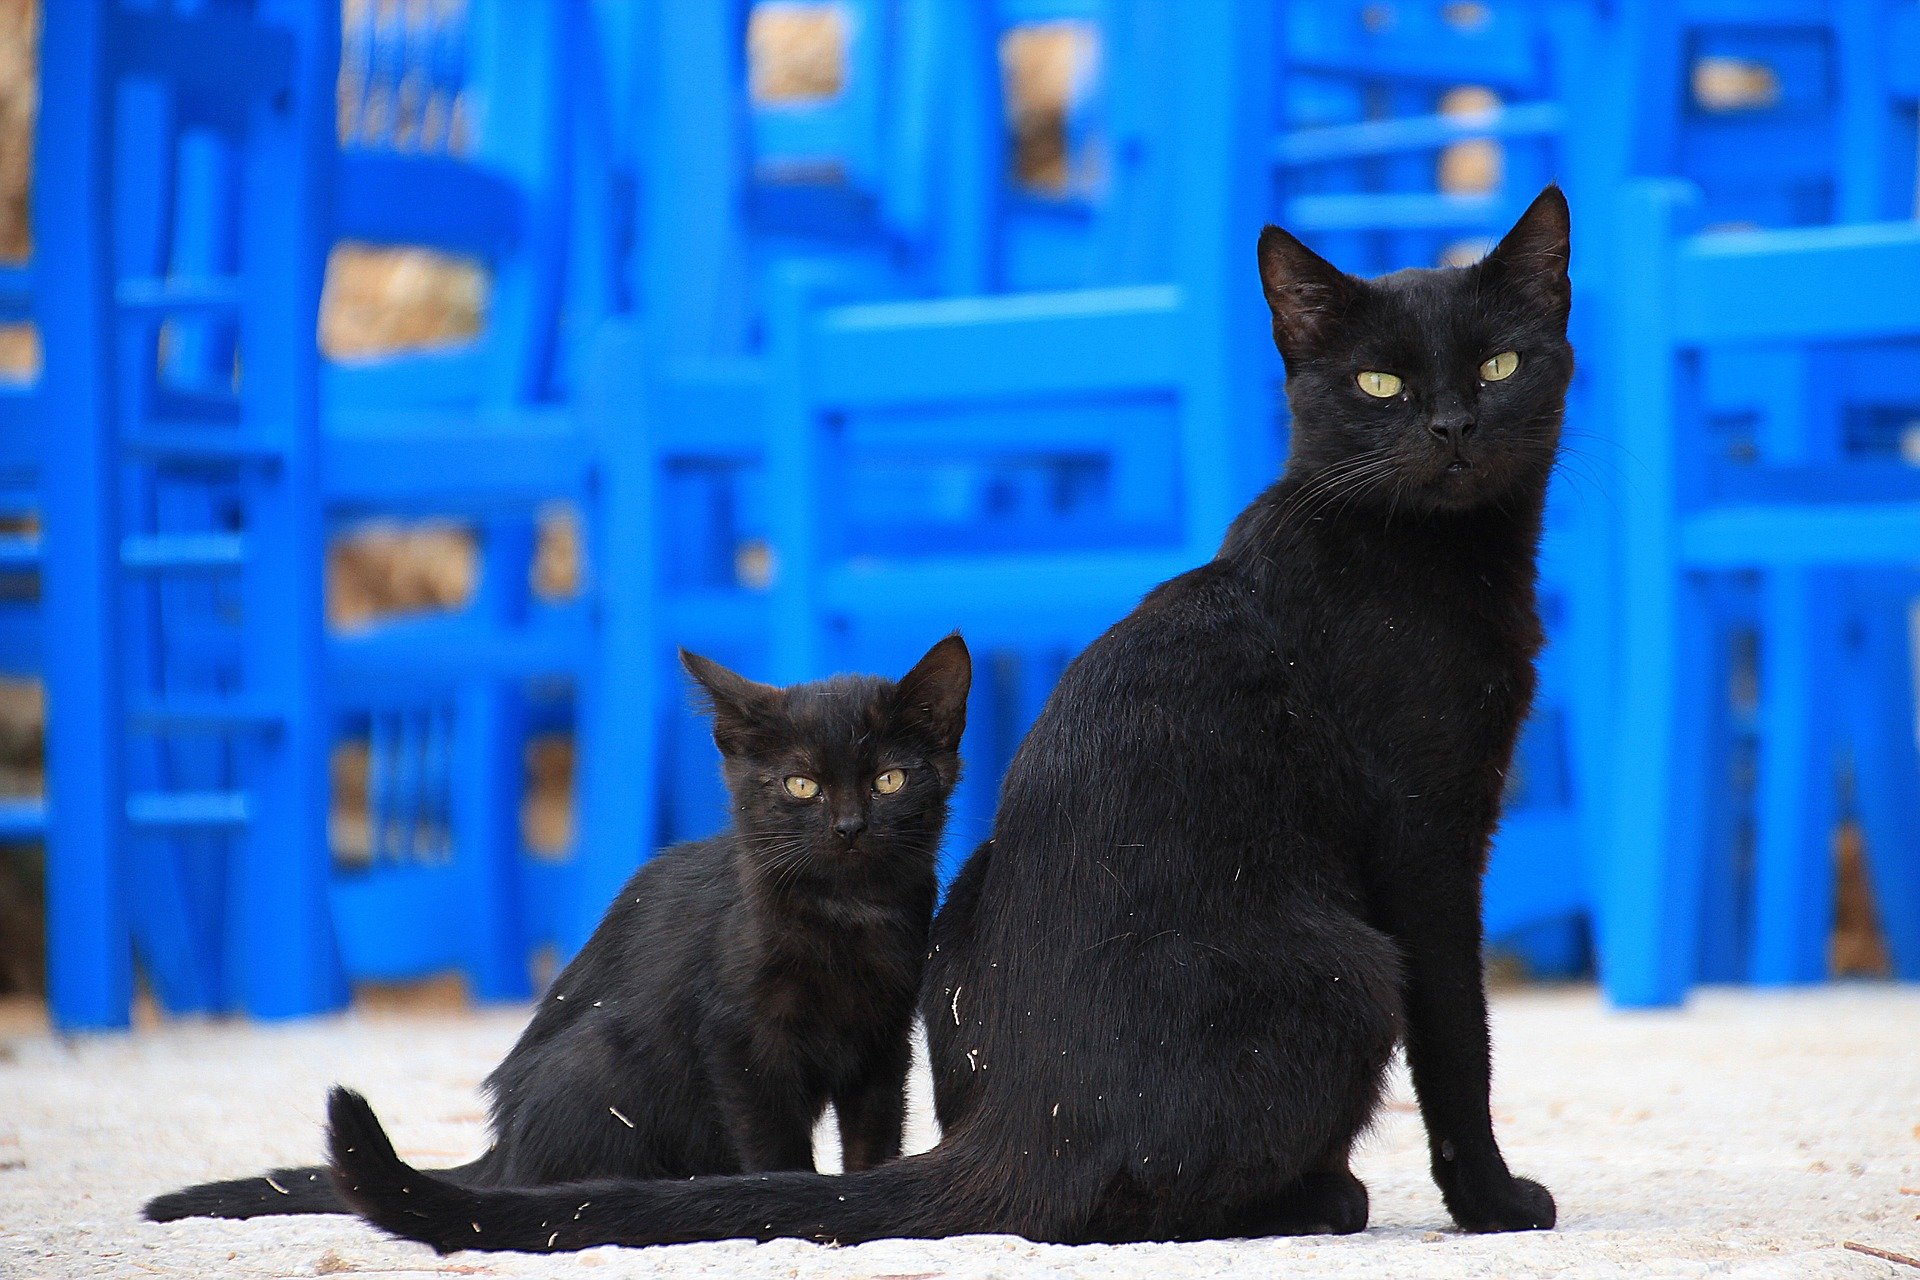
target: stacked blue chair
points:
(905, 198)
(1005, 375)
(724, 187)
(195, 225)
(1808, 484)
(229, 78)
(458, 136)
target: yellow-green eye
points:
(1380, 385)
(889, 782)
(1494, 368)
(802, 788)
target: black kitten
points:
(1237, 858)
(738, 983)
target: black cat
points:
(738, 983)
(1239, 855)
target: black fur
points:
(738, 983)
(1239, 855)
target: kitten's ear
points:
(1305, 292)
(1532, 258)
(745, 713)
(934, 694)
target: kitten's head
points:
(837, 775)
(1435, 389)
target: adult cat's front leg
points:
(1447, 1048)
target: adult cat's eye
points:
(802, 788)
(889, 782)
(1495, 368)
(1380, 385)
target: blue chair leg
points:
(281, 941)
(1886, 763)
(1793, 864)
(1649, 880)
(487, 792)
(1651, 888)
(89, 960)
(620, 716)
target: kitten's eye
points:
(1380, 385)
(889, 782)
(802, 788)
(1496, 368)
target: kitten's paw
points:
(1516, 1204)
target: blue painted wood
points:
(1695, 295)
(90, 969)
(1188, 344)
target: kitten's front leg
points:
(873, 1111)
(1447, 1047)
(766, 1108)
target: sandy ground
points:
(1750, 1135)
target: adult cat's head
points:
(1434, 389)
(836, 774)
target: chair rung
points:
(17, 404)
(16, 294)
(1409, 211)
(22, 818)
(217, 49)
(183, 552)
(1802, 535)
(221, 446)
(19, 552)
(203, 715)
(176, 810)
(1419, 133)
(173, 295)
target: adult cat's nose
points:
(1450, 428)
(850, 825)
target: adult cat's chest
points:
(1424, 641)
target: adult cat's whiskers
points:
(1349, 482)
(1326, 485)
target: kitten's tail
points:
(941, 1193)
(306, 1189)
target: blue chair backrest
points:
(455, 137)
(1783, 114)
(1457, 111)
(900, 178)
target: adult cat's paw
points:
(1514, 1204)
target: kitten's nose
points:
(1451, 428)
(850, 825)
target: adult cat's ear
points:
(934, 694)
(1532, 259)
(1305, 292)
(745, 713)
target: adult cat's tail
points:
(306, 1189)
(919, 1197)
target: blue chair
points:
(996, 376)
(725, 188)
(237, 76)
(484, 431)
(1821, 132)
(1793, 511)
(203, 205)
(909, 201)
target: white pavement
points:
(1751, 1135)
